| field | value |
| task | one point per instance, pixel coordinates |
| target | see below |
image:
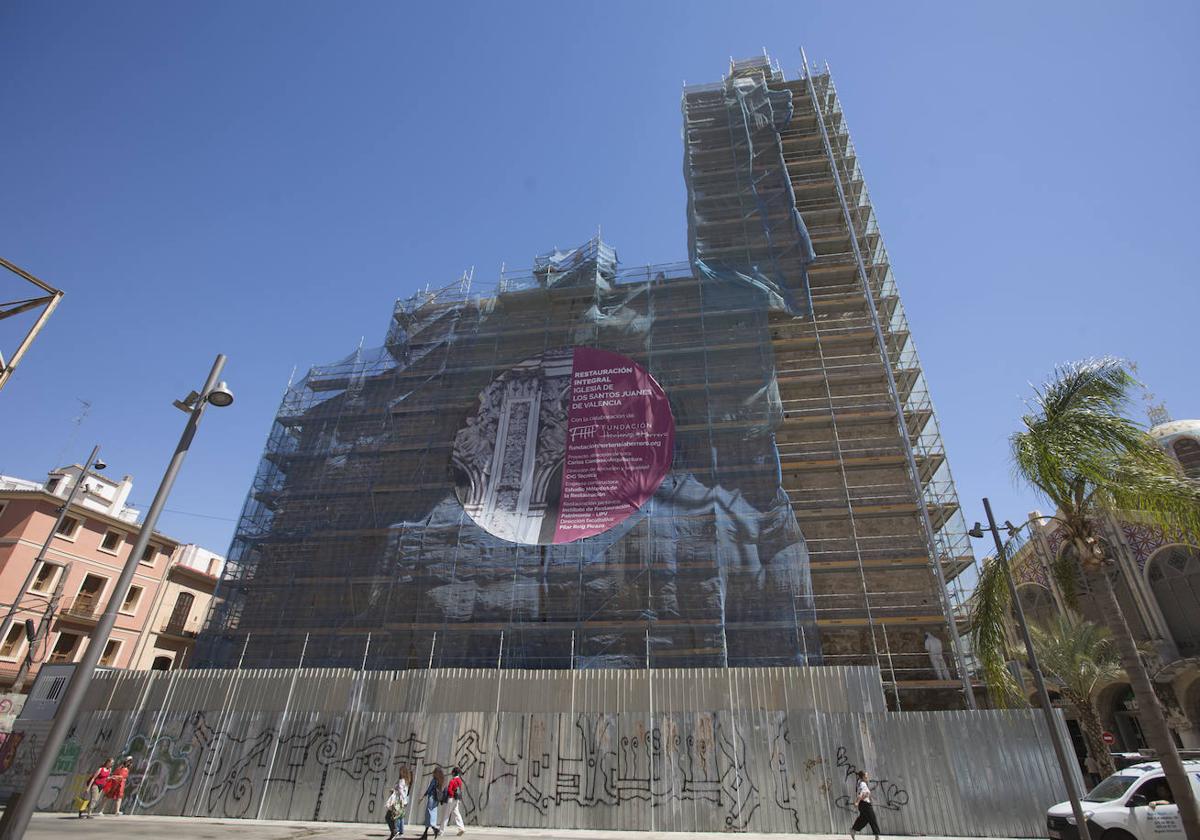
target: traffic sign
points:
(1108, 738)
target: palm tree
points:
(1077, 656)
(1090, 460)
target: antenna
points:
(76, 422)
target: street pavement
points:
(62, 826)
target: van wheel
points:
(1117, 834)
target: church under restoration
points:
(780, 496)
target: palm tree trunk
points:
(1093, 733)
(1150, 713)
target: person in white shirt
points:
(933, 646)
(396, 808)
(866, 814)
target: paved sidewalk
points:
(63, 826)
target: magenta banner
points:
(563, 446)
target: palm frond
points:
(1101, 383)
(1075, 653)
(1151, 486)
(989, 640)
(1080, 449)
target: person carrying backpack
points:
(452, 799)
(397, 804)
(433, 795)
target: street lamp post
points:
(218, 394)
(92, 462)
(1043, 695)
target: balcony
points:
(83, 609)
(177, 630)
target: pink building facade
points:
(68, 591)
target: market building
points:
(1157, 582)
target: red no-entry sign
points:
(1109, 738)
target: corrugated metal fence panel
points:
(771, 750)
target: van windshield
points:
(1111, 788)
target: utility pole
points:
(1060, 749)
(18, 814)
(43, 630)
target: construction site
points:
(808, 516)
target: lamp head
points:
(976, 532)
(99, 464)
(220, 396)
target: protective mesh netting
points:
(788, 507)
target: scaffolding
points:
(809, 516)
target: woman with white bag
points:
(396, 808)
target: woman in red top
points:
(115, 789)
(95, 788)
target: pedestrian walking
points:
(452, 802)
(433, 796)
(95, 788)
(114, 788)
(397, 804)
(866, 813)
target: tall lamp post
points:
(93, 462)
(1043, 696)
(215, 393)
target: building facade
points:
(415, 503)
(1158, 587)
(66, 593)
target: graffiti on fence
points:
(554, 761)
(885, 793)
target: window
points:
(1111, 788)
(12, 642)
(179, 616)
(1188, 453)
(1037, 601)
(67, 528)
(1174, 574)
(129, 605)
(46, 578)
(88, 600)
(148, 554)
(112, 541)
(161, 663)
(1156, 790)
(64, 648)
(52, 484)
(111, 649)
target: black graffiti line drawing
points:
(886, 794)
(549, 762)
(785, 784)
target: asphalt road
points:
(63, 827)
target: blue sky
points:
(264, 179)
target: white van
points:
(1132, 804)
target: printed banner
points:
(563, 446)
